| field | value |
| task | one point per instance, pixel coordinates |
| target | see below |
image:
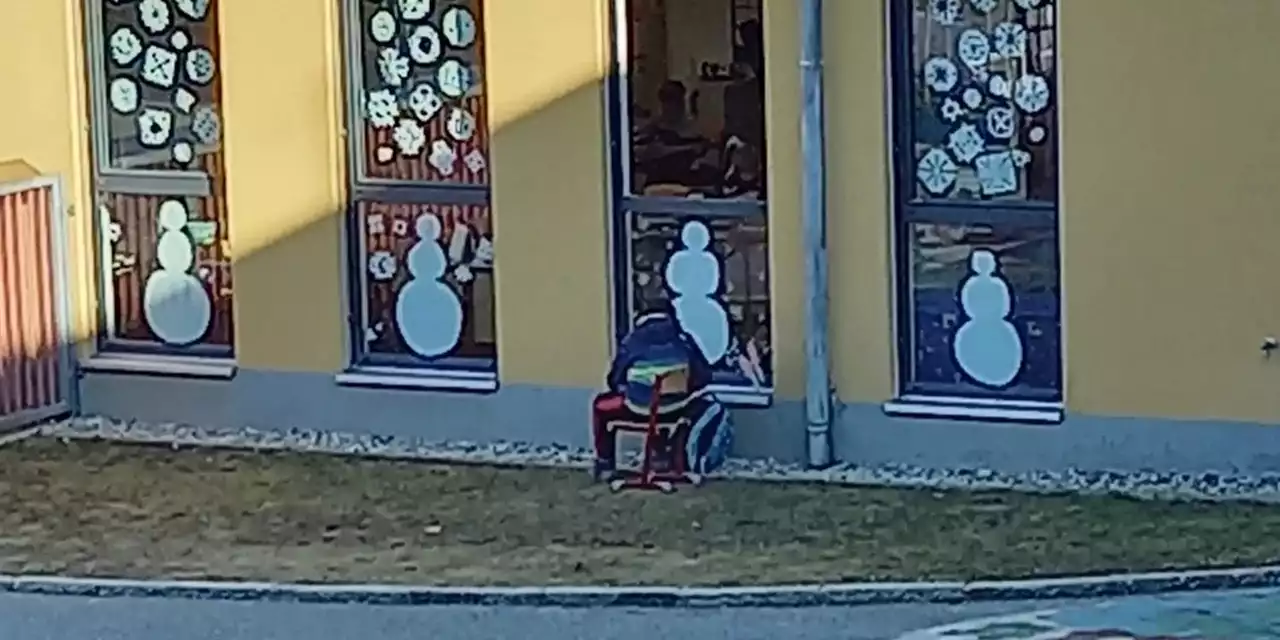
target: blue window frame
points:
(689, 220)
(975, 155)
(419, 226)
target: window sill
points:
(742, 396)
(426, 380)
(153, 365)
(975, 409)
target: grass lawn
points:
(114, 510)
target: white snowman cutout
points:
(428, 312)
(175, 303)
(693, 275)
(987, 347)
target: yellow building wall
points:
(1167, 172)
(1169, 210)
(1168, 215)
(41, 124)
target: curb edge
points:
(780, 596)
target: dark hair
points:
(671, 91)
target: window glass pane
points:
(161, 83)
(985, 100)
(170, 270)
(713, 273)
(427, 282)
(984, 313)
(422, 104)
(695, 87)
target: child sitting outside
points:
(658, 347)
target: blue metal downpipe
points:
(818, 391)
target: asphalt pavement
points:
(1234, 615)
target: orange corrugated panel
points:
(28, 301)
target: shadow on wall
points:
(551, 154)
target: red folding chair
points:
(649, 477)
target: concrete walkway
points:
(1243, 615)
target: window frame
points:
(1003, 214)
(624, 205)
(453, 373)
(108, 181)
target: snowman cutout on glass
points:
(987, 347)
(693, 275)
(175, 303)
(428, 312)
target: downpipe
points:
(818, 388)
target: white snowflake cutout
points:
(1031, 93)
(424, 45)
(459, 27)
(454, 78)
(381, 108)
(1037, 134)
(200, 66)
(154, 16)
(400, 227)
(155, 126)
(945, 11)
(979, 75)
(204, 273)
(370, 334)
(974, 48)
(159, 66)
(184, 100)
(475, 161)
(1021, 158)
(382, 265)
(965, 143)
(384, 154)
(936, 171)
(123, 94)
(442, 157)
(998, 86)
(126, 46)
(424, 102)
(984, 6)
(1000, 122)
(951, 110)
(376, 224)
(1028, 5)
(409, 137)
(1010, 39)
(393, 67)
(194, 9)
(383, 27)
(414, 9)
(972, 97)
(114, 232)
(940, 74)
(180, 40)
(461, 125)
(205, 125)
(462, 273)
(182, 153)
(997, 174)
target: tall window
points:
(420, 233)
(689, 217)
(158, 177)
(976, 167)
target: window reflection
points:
(696, 89)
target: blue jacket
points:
(656, 343)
